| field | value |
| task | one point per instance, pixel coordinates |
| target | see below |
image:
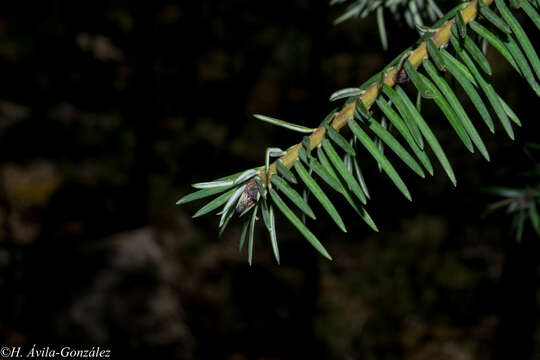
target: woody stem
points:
(416, 57)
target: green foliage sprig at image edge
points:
(324, 151)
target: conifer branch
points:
(262, 187)
(441, 38)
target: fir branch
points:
(441, 38)
(260, 187)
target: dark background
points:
(109, 110)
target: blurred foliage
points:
(522, 203)
(414, 13)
